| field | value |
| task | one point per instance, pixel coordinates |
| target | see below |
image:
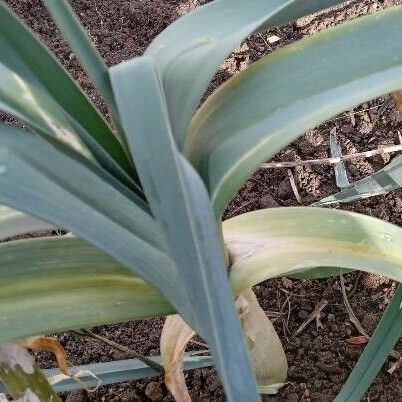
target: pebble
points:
(154, 391)
(303, 314)
(331, 317)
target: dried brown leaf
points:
(176, 334)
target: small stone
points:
(154, 391)
(329, 368)
(284, 189)
(287, 283)
(293, 397)
(129, 395)
(273, 39)
(303, 314)
(331, 317)
(347, 128)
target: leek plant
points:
(144, 195)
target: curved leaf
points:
(282, 241)
(180, 203)
(23, 54)
(15, 223)
(64, 189)
(216, 29)
(264, 108)
(60, 283)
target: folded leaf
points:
(278, 242)
(216, 29)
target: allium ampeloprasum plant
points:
(144, 195)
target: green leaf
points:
(23, 54)
(68, 191)
(37, 110)
(278, 242)
(81, 45)
(204, 38)
(58, 283)
(14, 223)
(376, 352)
(23, 378)
(255, 114)
(385, 180)
(180, 203)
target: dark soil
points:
(319, 359)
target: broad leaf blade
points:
(86, 201)
(14, 223)
(246, 121)
(376, 352)
(385, 180)
(282, 241)
(180, 204)
(216, 29)
(58, 283)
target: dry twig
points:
(315, 315)
(333, 161)
(355, 321)
(87, 334)
(294, 187)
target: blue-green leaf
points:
(264, 108)
(52, 183)
(188, 53)
(58, 283)
(385, 180)
(180, 204)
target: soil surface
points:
(320, 359)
